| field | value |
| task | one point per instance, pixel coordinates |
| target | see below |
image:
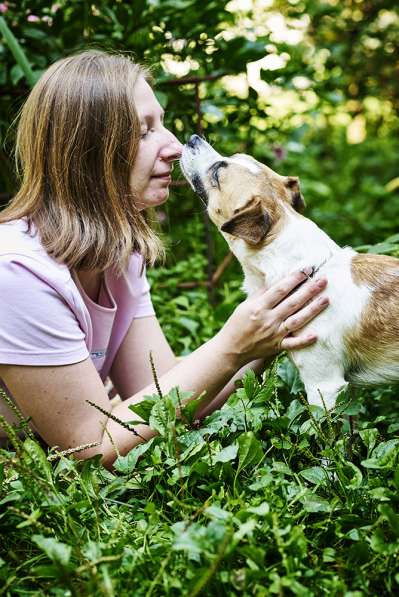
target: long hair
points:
(76, 142)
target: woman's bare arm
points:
(56, 398)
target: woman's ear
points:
(251, 224)
(297, 201)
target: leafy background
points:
(269, 496)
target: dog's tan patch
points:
(240, 190)
(371, 342)
(251, 223)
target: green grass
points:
(268, 497)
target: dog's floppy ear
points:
(251, 223)
(297, 201)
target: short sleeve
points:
(140, 287)
(37, 326)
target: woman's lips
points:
(165, 177)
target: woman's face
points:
(150, 176)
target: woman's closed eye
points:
(145, 130)
(144, 133)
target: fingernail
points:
(324, 300)
(321, 283)
(312, 337)
(307, 271)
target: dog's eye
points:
(214, 172)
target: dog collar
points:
(317, 268)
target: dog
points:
(259, 214)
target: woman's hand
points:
(264, 323)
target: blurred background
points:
(309, 87)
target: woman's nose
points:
(172, 149)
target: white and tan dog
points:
(256, 210)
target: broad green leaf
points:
(245, 529)
(250, 450)
(380, 544)
(354, 475)
(264, 480)
(369, 437)
(314, 474)
(250, 383)
(260, 510)
(163, 415)
(218, 513)
(189, 538)
(289, 374)
(190, 324)
(383, 456)
(316, 504)
(143, 408)
(282, 467)
(392, 517)
(127, 464)
(35, 457)
(58, 552)
(227, 454)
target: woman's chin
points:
(154, 198)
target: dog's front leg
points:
(322, 375)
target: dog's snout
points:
(194, 141)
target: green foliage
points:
(337, 77)
(270, 496)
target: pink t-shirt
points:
(46, 318)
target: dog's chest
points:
(347, 300)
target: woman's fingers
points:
(302, 317)
(274, 295)
(294, 342)
(299, 298)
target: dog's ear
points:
(297, 201)
(251, 224)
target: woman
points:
(74, 298)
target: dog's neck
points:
(300, 243)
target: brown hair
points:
(77, 139)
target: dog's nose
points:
(194, 141)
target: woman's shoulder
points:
(19, 245)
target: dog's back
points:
(372, 348)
